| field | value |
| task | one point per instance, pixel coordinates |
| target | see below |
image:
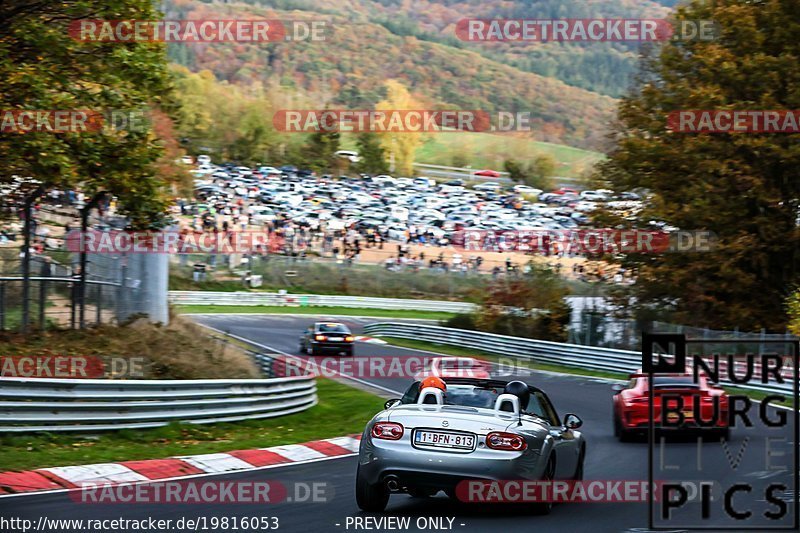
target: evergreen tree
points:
(372, 154)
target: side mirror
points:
(572, 421)
(617, 388)
(391, 403)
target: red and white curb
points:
(72, 477)
(371, 340)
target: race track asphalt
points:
(748, 458)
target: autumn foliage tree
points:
(536, 173)
(229, 122)
(743, 186)
(530, 305)
(44, 68)
(402, 146)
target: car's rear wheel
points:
(549, 474)
(619, 430)
(578, 476)
(371, 498)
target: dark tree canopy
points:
(744, 187)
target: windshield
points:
(332, 328)
(470, 396)
(673, 381)
(453, 364)
(485, 397)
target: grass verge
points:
(314, 310)
(325, 420)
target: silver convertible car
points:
(475, 429)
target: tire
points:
(302, 349)
(370, 498)
(578, 476)
(349, 352)
(620, 432)
(544, 508)
(312, 352)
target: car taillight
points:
(320, 338)
(349, 338)
(498, 440)
(387, 431)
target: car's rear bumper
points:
(332, 346)
(415, 467)
(688, 425)
(639, 420)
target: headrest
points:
(431, 396)
(507, 403)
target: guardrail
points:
(321, 300)
(98, 405)
(572, 355)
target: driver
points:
(435, 382)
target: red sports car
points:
(690, 405)
(566, 190)
(488, 173)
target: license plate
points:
(440, 439)
(335, 338)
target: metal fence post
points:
(42, 303)
(73, 297)
(84, 228)
(26, 258)
(2, 306)
(122, 293)
(99, 302)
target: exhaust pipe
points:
(392, 483)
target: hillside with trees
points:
(350, 67)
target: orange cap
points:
(433, 381)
